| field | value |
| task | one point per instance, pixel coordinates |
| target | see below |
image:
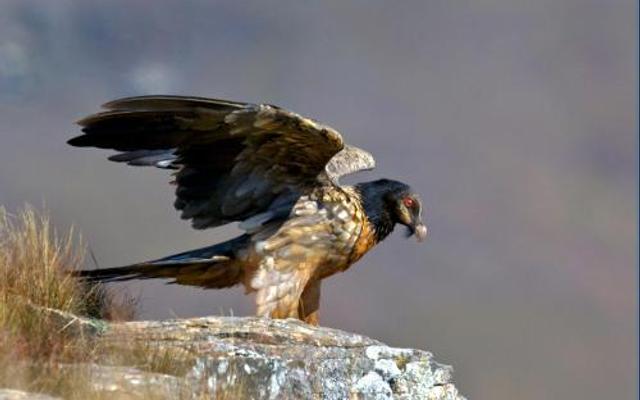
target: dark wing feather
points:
(157, 158)
(235, 160)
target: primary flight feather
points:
(273, 171)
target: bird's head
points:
(406, 209)
(388, 202)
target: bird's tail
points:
(209, 267)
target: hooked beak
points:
(420, 231)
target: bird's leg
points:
(310, 302)
(312, 319)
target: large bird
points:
(273, 171)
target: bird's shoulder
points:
(326, 219)
(352, 226)
(366, 238)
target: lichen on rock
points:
(255, 358)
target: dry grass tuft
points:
(36, 350)
(34, 268)
(33, 261)
(33, 265)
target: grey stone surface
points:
(132, 383)
(257, 358)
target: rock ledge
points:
(257, 358)
(253, 358)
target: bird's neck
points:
(376, 209)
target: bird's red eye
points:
(409, 202)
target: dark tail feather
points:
(208, 267)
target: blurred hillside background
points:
(516, 120)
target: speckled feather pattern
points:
(318, 239)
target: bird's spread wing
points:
(234, 160)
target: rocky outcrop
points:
(255, 358)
